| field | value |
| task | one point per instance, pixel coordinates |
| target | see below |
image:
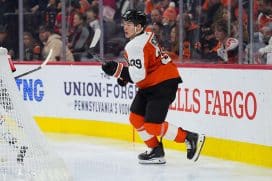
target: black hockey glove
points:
(118, 70)
(110, 67)
(121, 82)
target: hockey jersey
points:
(228, 51)
(147, 64)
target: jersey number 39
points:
(137, 63)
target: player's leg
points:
(155, 124)
(137, 120)
(156, 153)
(194, 141)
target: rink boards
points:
(230, 104)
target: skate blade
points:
(200, 143)
(160, 160)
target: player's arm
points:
(134, 73)
(117, 70)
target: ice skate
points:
(194, 143)
(155, 156)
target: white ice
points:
(97, 159)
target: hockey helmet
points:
(135, 16)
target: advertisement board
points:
(233, 104)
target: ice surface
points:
(97, 159)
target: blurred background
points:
(191, 31)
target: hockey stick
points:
(99, 59)
(38, 68)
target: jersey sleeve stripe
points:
(118, 70)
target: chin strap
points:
(138, 32)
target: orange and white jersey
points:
(148, 66)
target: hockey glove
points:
(112, 68)
(121, 82)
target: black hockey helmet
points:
(135, 16)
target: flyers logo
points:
(137, 63)
(230, 42)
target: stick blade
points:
(47, 58)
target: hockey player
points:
(157, 78)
